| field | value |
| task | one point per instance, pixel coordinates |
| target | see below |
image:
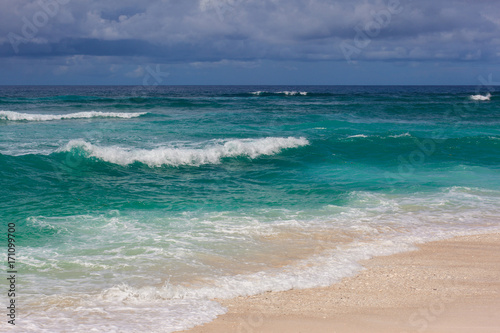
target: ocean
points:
(133, 208)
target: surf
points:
(213, 153)
(285, 92)
(18, 116)
(486, 97)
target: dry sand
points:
(445, 286)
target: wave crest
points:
(287, 93)
(211, 154)
(17, 116)
(481, 97)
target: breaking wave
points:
(481, 97)
(211, 154)
(17, 116)
(287, 93)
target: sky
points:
(256, 42)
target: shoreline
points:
(448, 285)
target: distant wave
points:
(396, 136)
(287, 93)
(211, 154)
(400, 135)
(481, 97)
(17, 116)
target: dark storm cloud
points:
(273, 29)
(70, 37)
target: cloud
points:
(213, 30)
(203, 34)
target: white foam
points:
(293, 93)
(388, 224)
(17, 116)
(119, 309)
(286, 92)
(481, 97)
(170, 308)
(211, 154)
(400, 135)
(358, 136)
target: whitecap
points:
(293, 93)
(285, 92)
(210, 154)
(481, 97)
(18, 116)
(400, 135)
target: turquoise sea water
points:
(135, 207)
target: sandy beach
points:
(444, 286)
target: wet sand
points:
(445, 286)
